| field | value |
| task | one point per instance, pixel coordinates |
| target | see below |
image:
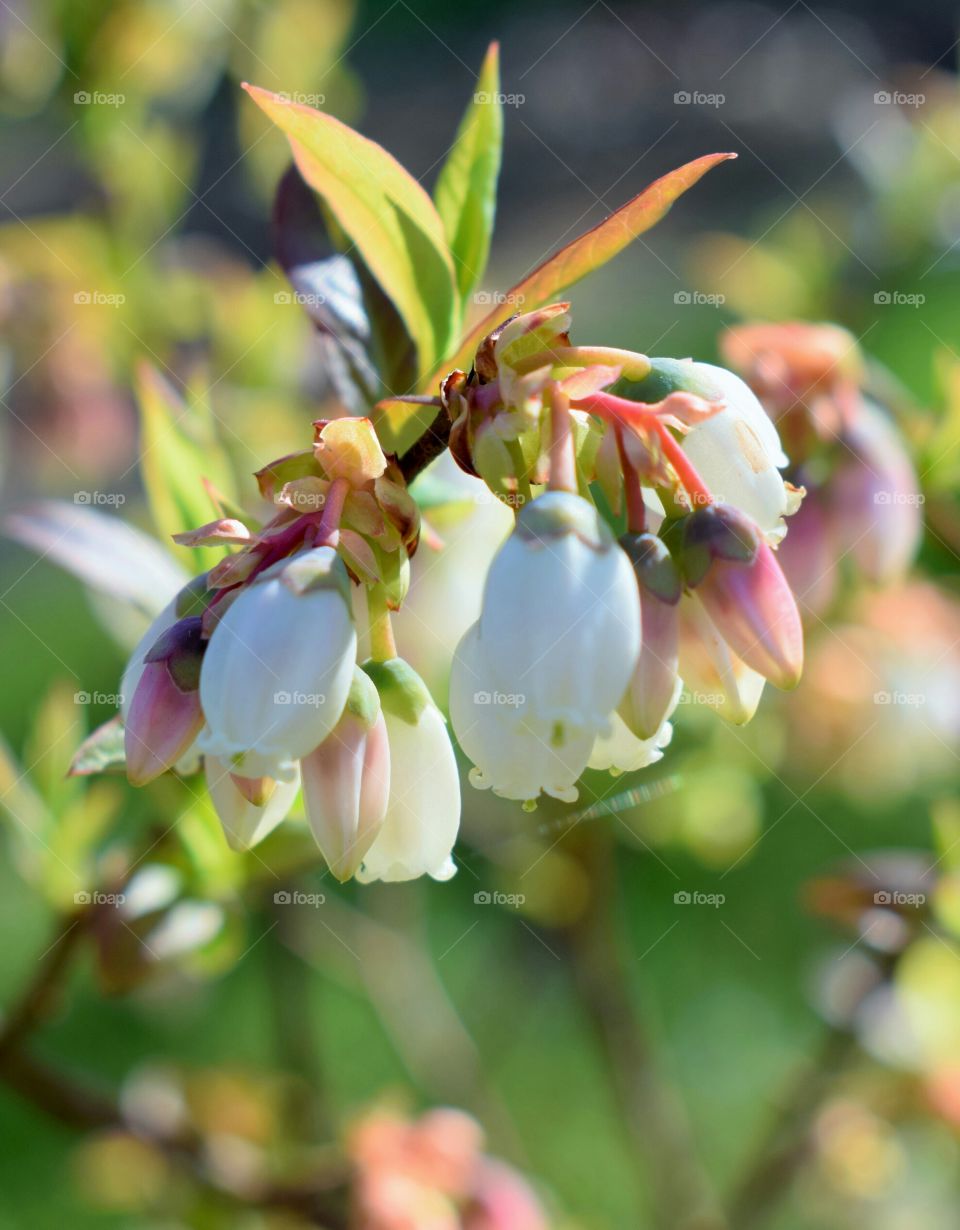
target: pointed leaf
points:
(179, 449)
(587, 253)
(384, 212)
(466, 192)
(101, 751)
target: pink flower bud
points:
(808, 555)
(165, 717)
(503, 1200)
(877, 501)
(653, 685)
(346, 782)
(738, 580)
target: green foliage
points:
(466, 191)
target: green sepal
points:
(556, 518)
(653, 566)
(363, 700)
(717, 532)
(180, 647)
(402, 692)
(311, 571)
(194, 598)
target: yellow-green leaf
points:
(179, 449)
(583, 255)
(466, 192)
(387, 216)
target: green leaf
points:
(384, 212)
(179, 450)
(466, 192)
(585, 254)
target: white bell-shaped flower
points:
(245, 823)
(423, 809)
(561, 615)
(279, 665)
(512, 754)
(620, 751)
(346, 781)
(737, 451)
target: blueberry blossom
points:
(346, 781)
(248, 809)
(279, 664)
(164, 716)
(423, 806)
(561, 616)
(735, 575)
(512, 752)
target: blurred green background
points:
(136, 191)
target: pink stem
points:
(637, 417)
(636, 509)
(563, 462)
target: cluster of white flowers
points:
(280, 702)
(582, 640)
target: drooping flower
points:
(561, 615)
(713, 674)
(737, 451)
(737, 578)
(875, 495)
(652, 690)
(279, 665)
(346, 781)
(620, 751)
(423, 808)
(512, 752)
(164, 716)
(245, 822)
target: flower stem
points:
(563, 461)
(383, 646)
(633, 492)
(633, 366)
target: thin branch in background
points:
(654, 1120)
(785, 1147)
